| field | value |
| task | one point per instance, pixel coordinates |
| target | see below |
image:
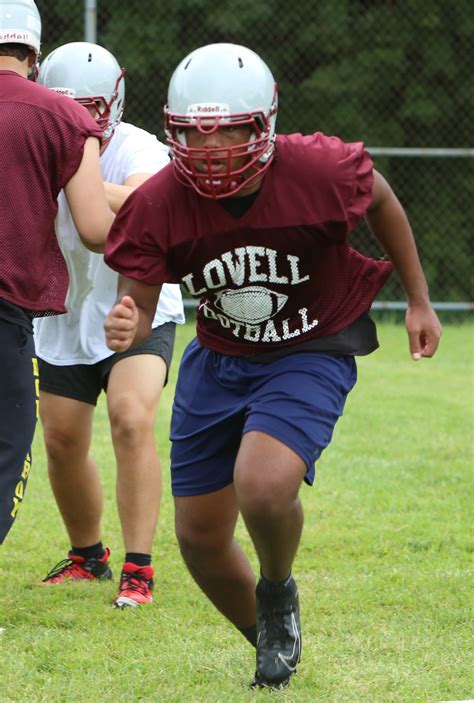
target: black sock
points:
(95, 551)
(250, 634)
(138, 559)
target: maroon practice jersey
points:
(281, 274)
(43, 135)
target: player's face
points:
(221, 153)
(216, 144)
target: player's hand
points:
(424, 330)
(121, 325)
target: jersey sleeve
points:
(76, 126)
(134, 246)
(354, 180)
(324, 181)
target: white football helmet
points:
(20, 23)
(215, 86)
(91, 75)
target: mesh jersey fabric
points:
(78, 337)
(281, 274)
(43, 136)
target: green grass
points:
(384, 568)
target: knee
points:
(190, 541)
(60, 442)
(268, 499)
(189, 548)
(129, 423)
(197, 544)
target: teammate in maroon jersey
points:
(256, 226)
(48, 143)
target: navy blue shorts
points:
(296, 399)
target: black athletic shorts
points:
(85, 382)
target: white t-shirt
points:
(78, 337)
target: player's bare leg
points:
(133, 394)
(205, 527)
(267, 478)
(75, 482)
(76, 486)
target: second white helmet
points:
(91, 75)
(218, 85)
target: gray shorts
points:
(85, 382)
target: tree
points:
(385, 72)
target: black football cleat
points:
(278, 633)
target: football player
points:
(48, 143)
(256, 226)
(75, 364)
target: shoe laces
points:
(69, 565)
(135, 581)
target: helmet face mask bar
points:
(219, 86)
(89, 74)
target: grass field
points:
(384, 568)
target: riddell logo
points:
(14, 36)
(69, 92)
(217, 109)
(208, 108)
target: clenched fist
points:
(121, 324)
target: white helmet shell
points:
(20, 23)
(91, 75)
(221, 84)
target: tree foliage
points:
(389, 73)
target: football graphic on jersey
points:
(252, 305)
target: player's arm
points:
(117, 194)
(388, 222)
(129, 322)
(85, 194)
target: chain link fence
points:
(396, 75)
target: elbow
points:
(94, 234)
(94, 239)
(97, 246)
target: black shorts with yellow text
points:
(19, 391)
